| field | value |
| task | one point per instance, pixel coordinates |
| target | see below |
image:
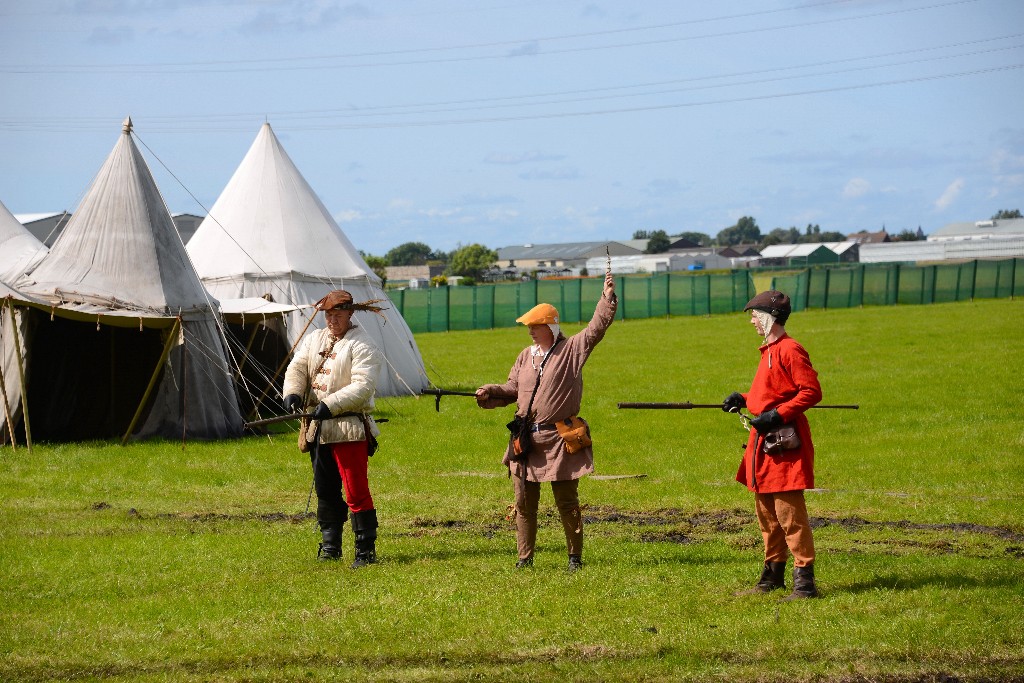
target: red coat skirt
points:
(787, 382)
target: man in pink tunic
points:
(546, 382)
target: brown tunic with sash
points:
(558, 397)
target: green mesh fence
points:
(440, 309)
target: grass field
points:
(158, 562)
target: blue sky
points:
(500, 122)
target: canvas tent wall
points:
(12, 344)
(121, 292)
(269, 234)
(19, 249)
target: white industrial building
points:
(997, 238)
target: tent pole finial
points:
(126, 127)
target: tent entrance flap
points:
(86, 383)
(259, 358)
(172, 338)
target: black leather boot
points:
(575, 563)
(364, 524)
(773, 577)
(803, 583)
(330, 546)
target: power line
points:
(573, 96)
(593, 112)
(623, 110)
(278, 64)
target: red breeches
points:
(352, 460)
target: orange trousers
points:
(785, 526)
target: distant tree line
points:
(747, 232)
(469, 261)
(473, 260)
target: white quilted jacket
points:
(346, 383)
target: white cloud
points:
(400, 204)
(349, 216)
(949, 195)
(1003, 161)
(856, 187)
(553, 174)
(585, 219)
(492, 199)
(806, 217)
(505, 158)
(499, 215)
(440, 213)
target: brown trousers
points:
(785, 527)
(567, 501)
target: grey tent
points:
(131, 343)
(269, 234)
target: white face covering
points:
(766, 319)
(535, 350)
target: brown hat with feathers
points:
(339, 299)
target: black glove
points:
(767, 421)
(292, 403)
(734, 402)
(322, 412)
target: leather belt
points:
(542, 427)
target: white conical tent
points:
(121, 245)
(19, 249)
(269, 233)
(120, 265)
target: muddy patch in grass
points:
(724, 521)
(666, 537)
(672, 525)
(860, 524)
(213, 517)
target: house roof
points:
(865, 237)
(563, 251)
(681, 243)
(804, 249)
(26, 218)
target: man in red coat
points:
(784, 387)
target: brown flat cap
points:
(773, 302)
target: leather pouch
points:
(575, 432)
(784, 438)
(303, 440)
(519, 437)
